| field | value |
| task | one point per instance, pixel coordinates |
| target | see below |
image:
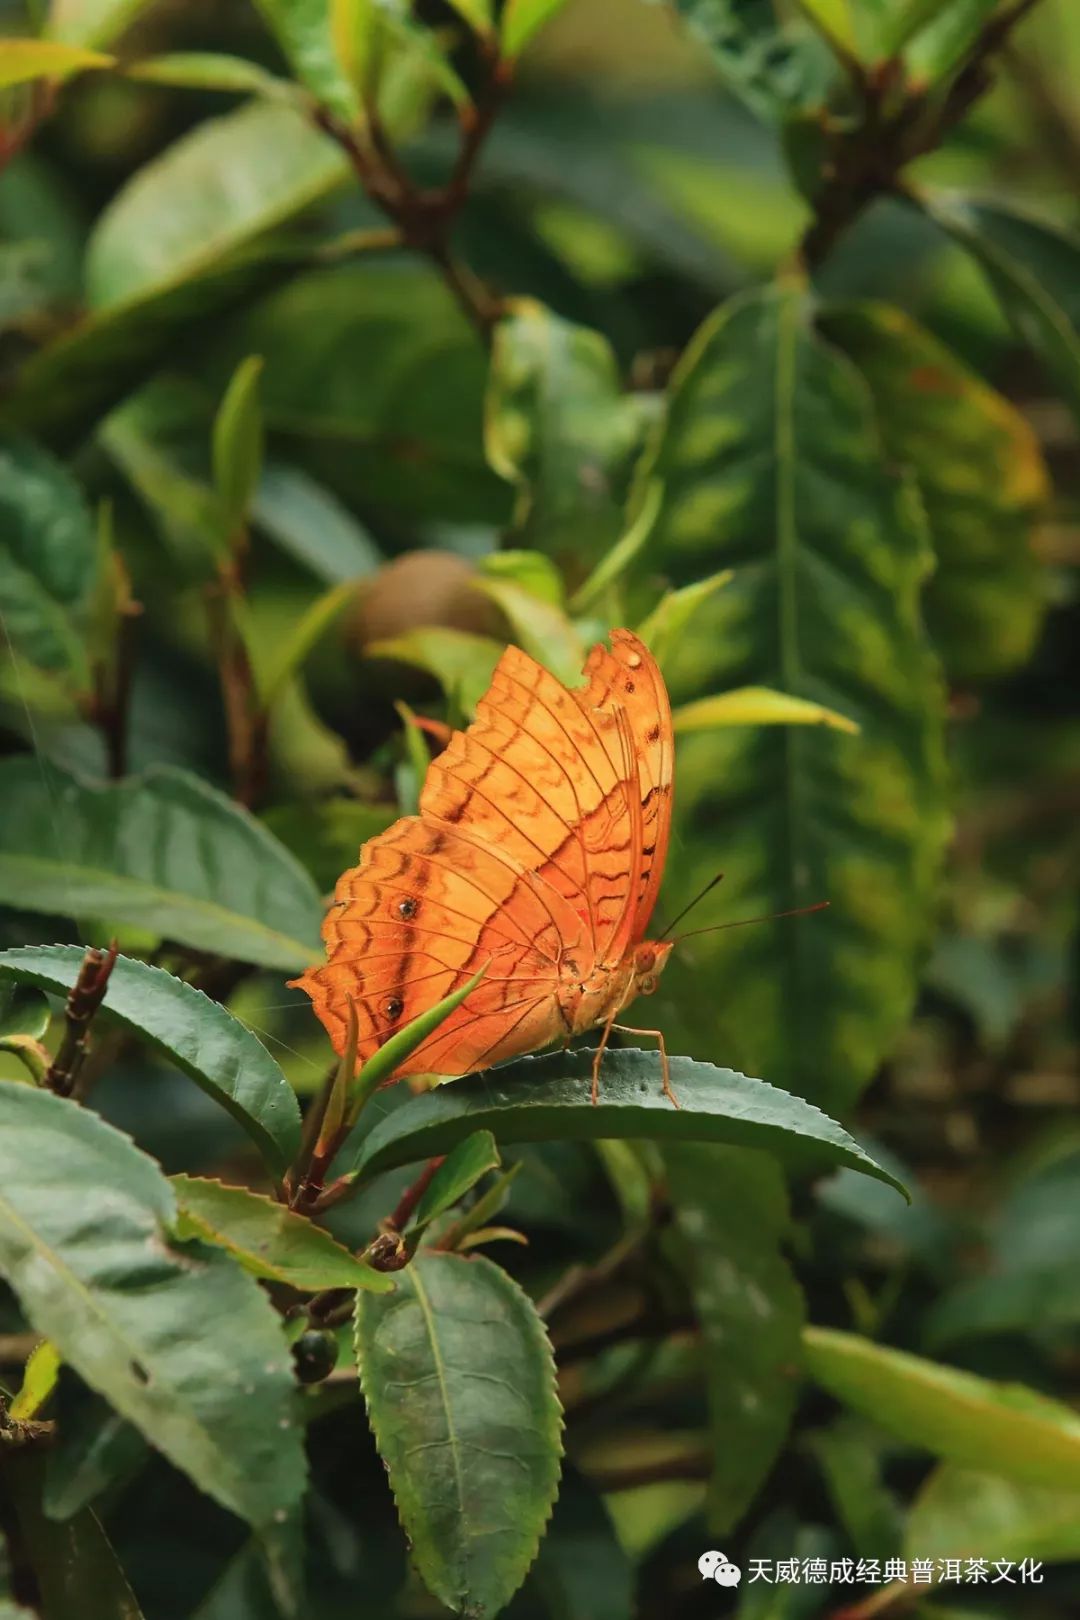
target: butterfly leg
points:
(598, 1058)
(665, 1065)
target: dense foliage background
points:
(342, 344)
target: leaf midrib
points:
(451, 1431)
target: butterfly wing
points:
(528, 858)
(628, 677)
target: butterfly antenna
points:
(688, 908)
(742, 922)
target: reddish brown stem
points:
(84, 999)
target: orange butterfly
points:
(539, 850)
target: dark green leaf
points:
(1006, 1428)
(199, 1036)
(95, 1448)
(849, 1453)
(774, 67)
(941, 45)
(982, 478)
(462, 1169)
(732, 1219)
(22, 1012)
(269, 1240)
(163, 851)
(1034, 268)
(75, 1567)
(374, 384)
(325, 836)
(462, 663)
(312, 525)
(770, 462)
(459, 1381)
(558, 426)
(160, 1331)
(581, 1571)
(539, 1099)
(48, 555)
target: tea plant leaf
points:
(558, 426)
(48, 554)
(303, 30)
(459, 1382)
(1002, 1428)
(731, 1216)
(238, 441)
(312, 525)
(982, 478)
(224, 1058)
(1034, 268)
(92, 22)
(756, 706)
(39, 1380)
(537, 1099)
(769, 461)
(775, 67)
(162, 851)
(521, 19)
(960, 1513)
(76, 1569)
(269, 1240)
(462, 1169)
(162, 1332)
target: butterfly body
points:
(537, 855)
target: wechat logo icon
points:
(713, 1566)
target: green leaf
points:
(983, 482)
(757, 706)
(558, 426)
(162, 851)
(774, 67)
(460, 1171)
(540, 1099)
(392, 1053)
(731, 1217)
(22, 1013)
(1034, 268)
(1002, 1428)
(238, 441)
(269, 1240)
(39, 1380)
(943, 42)
(159, 1331)
(312, 525)
(48, 552)
(521, 19)
(213, 192)
(209, 70)
(581, 1572)
(92, 22)
(307, 632)
(544, 631)
(959, 1513)
(187, 511)
(459, 1382)
(374, 385)
(77, 1572)
(462, 663)
(326, 835)
(770, 462)
(184, 239)
(303, 30)
(226, 1060)
(95, 1450)
(849, 1454)
(663, 628)
(23, 60)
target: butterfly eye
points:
(407, 908)
(393, 1007)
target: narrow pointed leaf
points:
(269, 1240)
(178, 1340)
(463, 1167)
(757, 706)
(547, 1098)
(223, 1057)
(459, 1381)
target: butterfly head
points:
(650, 959)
